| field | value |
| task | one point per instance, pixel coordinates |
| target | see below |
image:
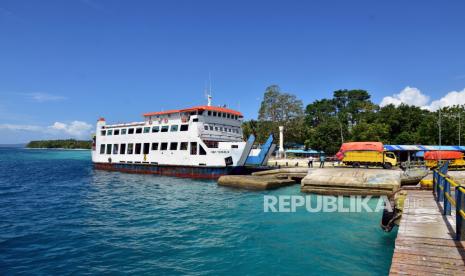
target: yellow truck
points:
(455, 158)
(359, 158)
(454, 163)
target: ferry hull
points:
(173, 170)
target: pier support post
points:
(459, 221)
(435, 185)
(447, 204)
(441, 188)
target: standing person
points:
(322, 161)
(310, 162)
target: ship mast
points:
(208, 93)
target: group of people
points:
(312, 159)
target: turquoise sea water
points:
(58, 215)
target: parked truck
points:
(358, 154)
(455, 158)
(369, 158)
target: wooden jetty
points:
(425, 241)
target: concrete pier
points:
(251, 182)
(346, 181)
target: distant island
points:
(60, 144)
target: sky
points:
(64, 64)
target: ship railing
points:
(450, 194)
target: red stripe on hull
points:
(176, 171)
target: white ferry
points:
(196, 142)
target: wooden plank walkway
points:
(425, 241)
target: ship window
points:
(131, 131)
(123, 131)
(211, 127)
(205, 127)
(173, 146)
(155, 129)
(164, 129)
(209, 113)
(193, 148)
(224, 115)
(138, 148)
(211, 144)
(195, 120)
(183, 146)
(122, 149)
(103, 132)
(234, 146)
(109, 132)
(174, 128)
(221, 128)
(116, 131)
(216, 128)
(146, 129)
(138, 130)
(102, 148)
(108, 148)
(154, 146)
(130, 148)
(164, 146)
(115, 148)
(214, 113)
(184, 127)
(202, 150)
(146, 148)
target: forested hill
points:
(60, 144)
(350, 115)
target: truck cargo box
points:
(359, 146)
(443, 155)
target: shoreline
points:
(55, 149)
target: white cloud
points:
(409, 95)
(413, 96)
(450, 99)
(75, 129)
(44, 97)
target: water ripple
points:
(58, 215)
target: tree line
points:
(350, 115)
(60, 144)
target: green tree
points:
(370, 132)
(280, 109)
